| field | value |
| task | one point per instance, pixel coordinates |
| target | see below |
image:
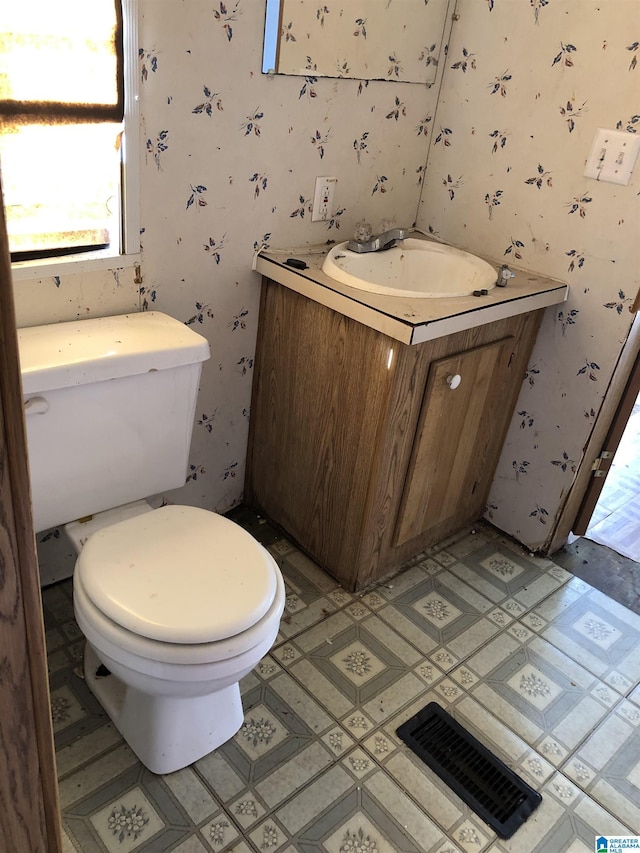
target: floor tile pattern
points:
(536, 664)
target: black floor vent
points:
(484, 782)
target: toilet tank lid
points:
(61, 355)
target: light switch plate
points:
(612, 156)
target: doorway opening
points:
(616, 518)
(604, 547)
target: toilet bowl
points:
(178, 604)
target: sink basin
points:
(413, 268)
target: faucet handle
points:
(505, 275)
(362, 232)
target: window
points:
(68, 126)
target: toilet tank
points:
(109, 405)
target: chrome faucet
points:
(386, 240)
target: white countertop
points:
(411, 320)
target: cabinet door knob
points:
(454, 381)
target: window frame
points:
(128, 254)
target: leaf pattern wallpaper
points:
(491, 160)
(519, 124)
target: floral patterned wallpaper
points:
(231, 156)
(228, 164)
(525, 87)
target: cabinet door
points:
(454, 452)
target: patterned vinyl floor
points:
(538, 665)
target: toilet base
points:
(167, 733)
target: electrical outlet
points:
(612, 156)
(323, 199)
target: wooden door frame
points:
(612, 399)
(30, 818)
(610, 445)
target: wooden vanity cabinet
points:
(358, 446)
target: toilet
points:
(177, 604)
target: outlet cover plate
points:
(323, 199)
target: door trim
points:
(28, 782)
(567, 516)
(610, 446)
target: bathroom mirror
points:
(396, 40)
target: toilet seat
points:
(178, 574)
(167, 660)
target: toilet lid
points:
(178, 574)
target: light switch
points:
(612, 156)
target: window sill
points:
(72, 265)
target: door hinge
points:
(598, 470)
